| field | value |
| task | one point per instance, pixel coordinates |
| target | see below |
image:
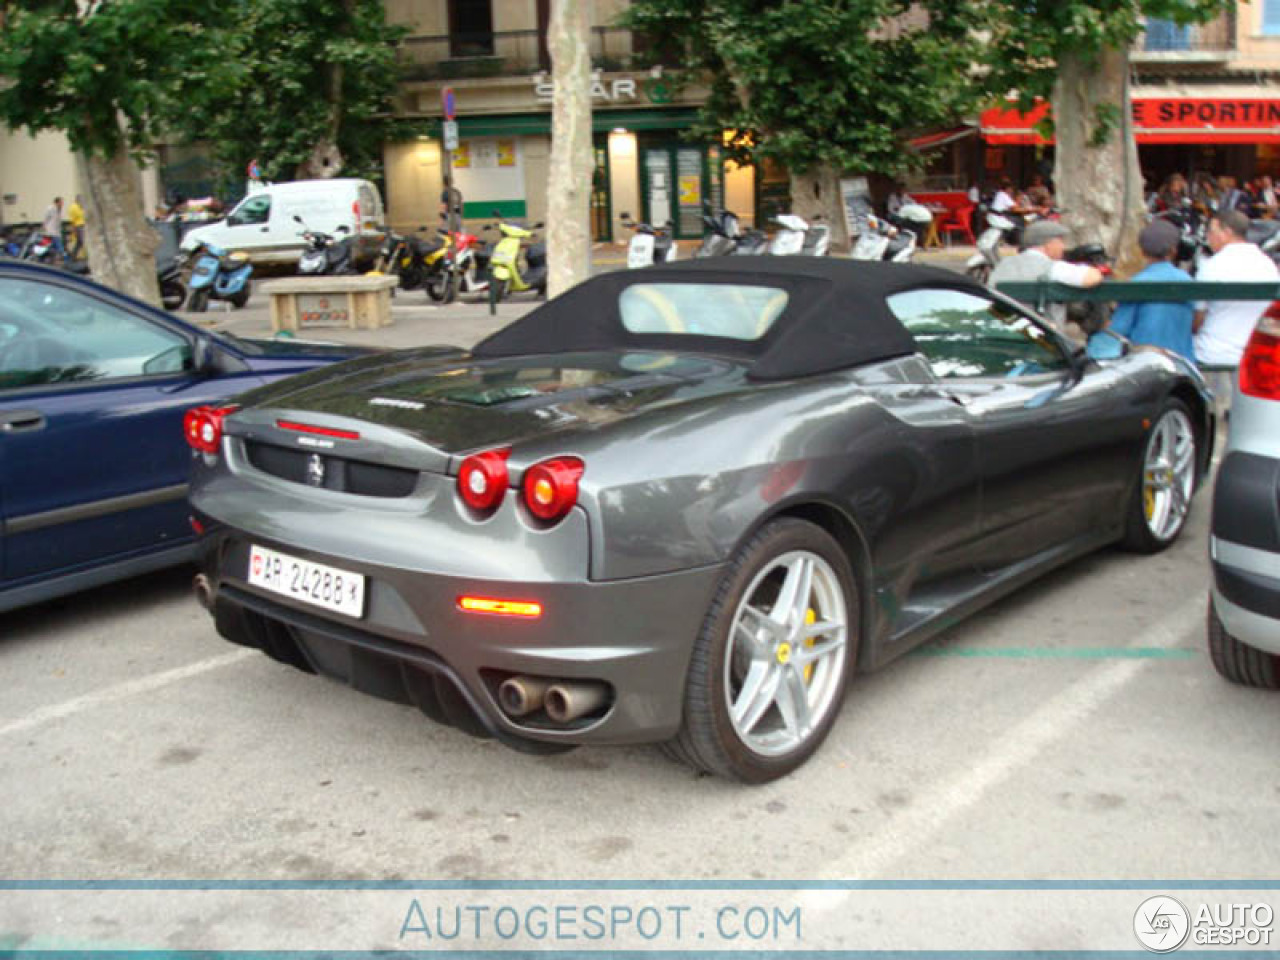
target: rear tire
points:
(774, 655)
(199, 300)
(1166, 482)
(1239, 662)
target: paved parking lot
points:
(1075, 730)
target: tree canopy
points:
(830, 82)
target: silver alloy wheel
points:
(786, 657)
(1168, 475)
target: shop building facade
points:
(492, 55)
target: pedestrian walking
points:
(75, 222)
(51, 226)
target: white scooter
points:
(980, 265)
(880, 240)
(649, 244)
(797, 237)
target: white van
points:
(263, 225)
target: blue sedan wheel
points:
(770, 666)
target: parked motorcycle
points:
(999, 229)
(505, 273)
(415, 261)
(1090, 316)
(326, 254)
(798, 237)
(877, 239)
(465, 267)
(217, 274)
(649, 244)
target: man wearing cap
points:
(1166, 325)
(1041, 259)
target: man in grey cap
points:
(1041, 259)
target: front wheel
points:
(443, 287)
(1162, 498)
(199, 300)
(773, 657)
(1239, 662)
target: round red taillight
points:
(551, 487)
(483, 479)
(203, 427)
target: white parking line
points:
(122, 691)
(932, 810)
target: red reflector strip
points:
(320, 431)
(505, 608)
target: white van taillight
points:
(355, 209)
(1260, 365)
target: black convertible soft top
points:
(835, 318)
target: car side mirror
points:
(203, 357)
(343, 228)
(297, 219)
(539, 225)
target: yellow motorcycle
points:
(505, 272)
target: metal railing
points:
(1164, 38)
(1040, 292)
(510, 53)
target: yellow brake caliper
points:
(810, 618)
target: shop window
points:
(470, 28)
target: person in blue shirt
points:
(1163, 324)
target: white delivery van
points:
(263, 224)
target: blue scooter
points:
(218, 275)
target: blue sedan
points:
(93, 389)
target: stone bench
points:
(358, 302)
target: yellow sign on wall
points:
(506, 153)
(690, 190)
(462, 156)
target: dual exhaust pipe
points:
(563, 700)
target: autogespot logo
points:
(1161, 924)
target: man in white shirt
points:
(1223, 327)
(1042, 260)
(1003, 200)
(52, 226)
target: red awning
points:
(1158, 120)
(937, 138)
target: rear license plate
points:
(313, 583)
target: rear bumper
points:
(414, 645)
(1244, 550)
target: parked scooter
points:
(798, 238)
(649, 244)
(721, 234)
(464, 267)
(505, 273)
(1090, 316)
(218, 275)
(414, 261)
(325, 253)
(999, 229)
(880, 240)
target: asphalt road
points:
(1074, 730)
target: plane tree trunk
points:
(1099, 184)
(815, 197)
(569, 184)
(120, 242)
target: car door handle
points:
(21, 421)
(264, 230)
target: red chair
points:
(958, 218)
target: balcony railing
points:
(1166, 40)
(510, 53)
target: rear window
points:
(733, 311)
